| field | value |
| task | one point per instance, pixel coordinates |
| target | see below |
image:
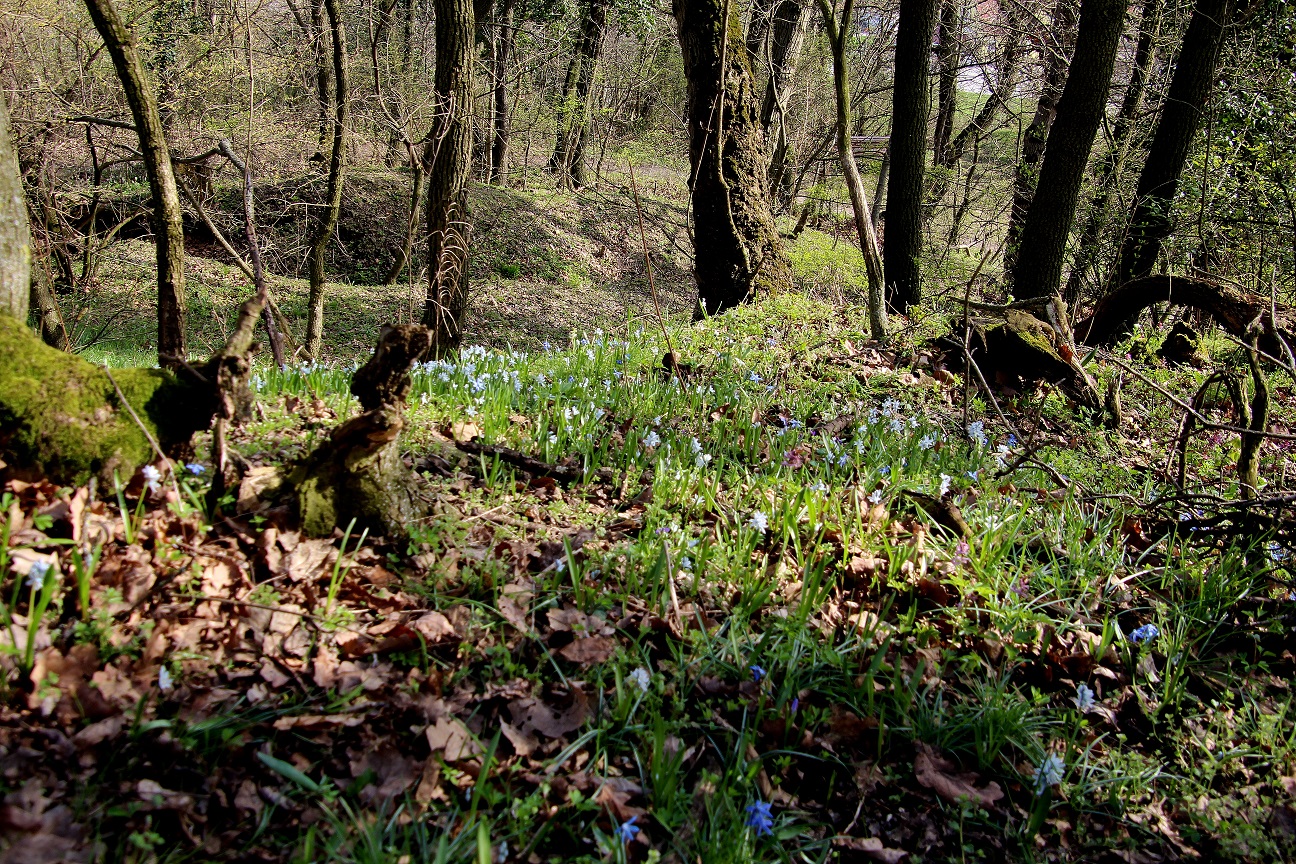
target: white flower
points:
(641, 678)
(164, 679)
(36, 575)
(151, 477)
(928, 442)
(818, 486)
(944, 485)
(686, 563)
(897, 425)
(1084, 698)
(976, 431)
(876, 497)
(1049, 773)
(652, 439)
(553, 439)
(759, 521)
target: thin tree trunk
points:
(838, 33)
(323, 84)
(569, 151)
(1060, 46)
(738, 247)
(908, 149)
(336, 178)
(879, 192)
(167, 215)
(1109, 170)
(419, 186)
(15, 234)
(1180, 115)
(786, 37)
(504, 40)
(451, 149)
(1038, 271)
(947, 63)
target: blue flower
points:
(760, 818)
(36, 575)
(1049, 773)
(1145, 633)
(757, 673)
(627, 829)
(195, 468)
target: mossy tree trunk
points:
(569, 151)
(738, 249)
(167, 215)
(336, 177)
(15, 233)
(451, 159)
(1038, 270)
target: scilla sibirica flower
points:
(628, 829)
(760, 818)
(1049, 773)
(1084, 698)
(759, 521)
(1146, 633)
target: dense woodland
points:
(600, 430)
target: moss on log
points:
(62, 418)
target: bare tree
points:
(167, 215)
(15, 235)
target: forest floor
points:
(733, 618)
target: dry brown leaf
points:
(464, 431)
(394, 772)
(451, 736)
(532, 715)
(97, 733)
(326, 664)
(248, 799)
(873, 848)
(433, 626)
(523, 743)
(317, 722)
(937, 774)
(155, 797)
(595, 649)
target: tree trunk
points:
(504, 39)
(786, 36)
(167, 215)
(947, 63)
(451, 154)
(738, 249)
(1060, 44)
(1109, 170)
(908, 148)
(418, 185)
(1184, 104)
(323, 86)
(1038, 270)
(15, 234)
(879, 193)
(573, 131)
(838, 33)
(333, 195)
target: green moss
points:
(62, 418)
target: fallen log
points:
(1233, 309)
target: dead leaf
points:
(523, 743)
(595, 649)
(452, 737)
(937, 774)
(464, 431)
(155, 797)
(532, 715)
(394, 772)
(873, 848)
(433, 626)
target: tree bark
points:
(838, 33)
(569, 150)
(1038, 271)
(738, 249)
(15, 233)
(323, 84)
(1184, 104)
(786, 36)
(167, 215)
(908, 149)
(947, 62)
(1109, 169)
(451, 155)
(505, 36)
(1060, 44)
(336, 178)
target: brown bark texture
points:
(505, 36)
(15, 233)
(738, 251)
(1038, 270)
(451, 158)
(908, 149)
(573, 130)
(336, 178)
(1181, 114)
(167, 215)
